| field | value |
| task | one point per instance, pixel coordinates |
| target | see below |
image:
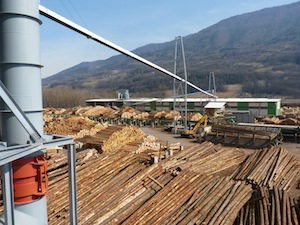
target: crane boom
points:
(77, 28)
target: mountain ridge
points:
(258, 50)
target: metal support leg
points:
(72, 184)
(8, 195)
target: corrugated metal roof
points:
(190, 100)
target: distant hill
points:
(259, 50)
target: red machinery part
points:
(30, 179)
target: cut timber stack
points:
(112, 138)
(269, 168)
(122, 137)
(94, 134)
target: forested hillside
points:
(259, 50)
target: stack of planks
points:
(269, 168)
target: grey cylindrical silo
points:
(20, 72)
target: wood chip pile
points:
(125, 112)
(289, 116)
(291, 112)
(100, 111)
(72, 126)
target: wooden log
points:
(231, 214)
(294, 216)
(277, 205)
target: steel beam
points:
(72, 184)
(7, 193)
(73, 26)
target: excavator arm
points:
(192, 132)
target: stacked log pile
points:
(149, 142)
(171, 114)
(269, 168)
(290, 116)
(269, 206)
(203, 184)
(121, 189)
(99, 179)
(91, 134)
(116, 188)
(199, 200)
(207, 158)
(112, 138)
(122, 137)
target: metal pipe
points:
(174, 83)
(20, 72)
(185, 84)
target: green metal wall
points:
(242, 106)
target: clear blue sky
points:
(129, 24)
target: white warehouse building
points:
(253, 106)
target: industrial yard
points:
(230, 161)
(136, 174)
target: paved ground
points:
(168, 137)
(186, 142)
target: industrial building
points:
(251, 106)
